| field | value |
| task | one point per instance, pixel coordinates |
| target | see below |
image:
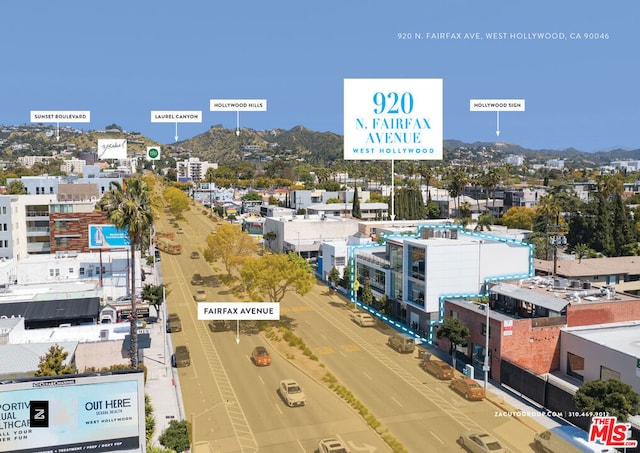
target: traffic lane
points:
(400, 407)
(275, 426)
(323, 414)
(402, 375)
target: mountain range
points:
(221, 145)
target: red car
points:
(260, 356)
(469, 388)
(438, 368)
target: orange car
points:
(260, 356)
(438, 368)
(469, 388)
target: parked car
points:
(331, 445)
(291, 393)
(260, 356)
(401, 342)
(197, 280)
(469, 388)
(438, 368)
(218, 325)
(181, 358)
(195, 255)
(363, 319)
(173, 323)
(480, 443)
(200, 295)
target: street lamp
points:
(485, 366)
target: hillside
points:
(222, 145)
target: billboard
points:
(388, 119)
(107, 236)
(73, 413)
(109, 148)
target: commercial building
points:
(418, 270)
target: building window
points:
(484, 330)
(339, 260)
(71, 270)
(417, 262)
(81, 271)
(608, 373)
(575, 366)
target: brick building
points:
(525, 322)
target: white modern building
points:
(193, 169)
(305, 234)
(417, 272)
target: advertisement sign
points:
(107, 237)
(386, 119)
(109, 148)
(73, 413)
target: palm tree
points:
(128, 207)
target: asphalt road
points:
(234, 405)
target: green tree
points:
(519, 217)
(177, 436)
(177, 201)
(367, 294)
(274, 275)
(355, 209)
(230, 245)
(346, 277)
(150, 419)
(154, 294)
(385, 305)
(609, 396)
(455, 331)
(582, 251)
(16, 188)
(52, 363)
(484, 222)
(252, 196)
(128, 208)
(269, 236)
(334, 276)
(409, 204)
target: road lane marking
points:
(323, 350)
(436, 437)
(350, 347)
(367, 375)
(261, 380)
(397, 402)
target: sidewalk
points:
(162, 385)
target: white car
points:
(291, 393)
(480, 443)
(331, 445)
(363, 319)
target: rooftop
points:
(621, 336)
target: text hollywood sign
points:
(388, 119)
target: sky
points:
(121, 60)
